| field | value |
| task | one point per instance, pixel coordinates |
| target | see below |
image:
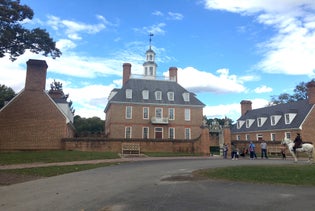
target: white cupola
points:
(149, 65)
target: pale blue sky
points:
(226, 50)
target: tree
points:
(88, 125)
(14, 39)
(6, 94)
(300, 93)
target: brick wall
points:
(198, 145)
(116, 121)
(32, 122)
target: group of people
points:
(235, 152)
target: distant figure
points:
(263, 147)
(234, 151)
(252, 153)
(297, 142)
(282, 150)
(225, 150)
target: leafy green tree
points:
(300, 93)
(6, 94)
(15, 39)
(87, 126)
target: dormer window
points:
(289, 117)
(275, 119)
(240, 123)
(170, 96)
(249, 122)
(261, 121)
(145, 94)
(186, 96)
(129, 93)
(158, 95)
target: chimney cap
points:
(37, 62)
(246, 102)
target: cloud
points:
(232, 111)
(263, 89)
(156, 29)
(201, 81)
(175, 16)
(73, 29)
(290, 50)
(157, 13)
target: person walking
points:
(225, 150)
(234, 151)
(252, 153)
(263, 146)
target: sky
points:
(226, 51)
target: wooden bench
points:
(130, 149)
(274, 150)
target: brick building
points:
(34, 120)
(150, 108)
(274, 123)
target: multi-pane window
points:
(127, 132)
(187, 114)
(171, 113)
(238, 137)
(288, 135)
(171, 133)
(145, 94)
(128, 112)
(186, 96)
(145, 112)
(287, 118)
(129, 93)
(170, 96)
(158, 112)
(187, 133)
(273, 136)
(158, 95)
(145, 132)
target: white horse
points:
(307, 148)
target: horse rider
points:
(297, 142)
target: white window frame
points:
(288, 118)
(186, 96)
(128, 93)
(259, 136)
(238, 137)
(155, 130)
(170, 96)
(158, 95)
(261, 121)
(187, 133)
(145, 94)
(187, 114)
(146, 112)
(171, 113)
(249, 122)
(247, 137)
(287, 135)
(171, 131)
(128, 132)
(128, 114)
(158, 113)
(147, 132)
(272, 136)
(240, 123)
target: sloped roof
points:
(300, 108)
(138, 85)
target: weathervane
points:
(150, 35)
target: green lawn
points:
(56, 170)
(7, 158)
(277, 174)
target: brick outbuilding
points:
(33, 120)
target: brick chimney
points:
(246, 105)
(36, 75)
(126, 72)
(311, 92)
(173, 73)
